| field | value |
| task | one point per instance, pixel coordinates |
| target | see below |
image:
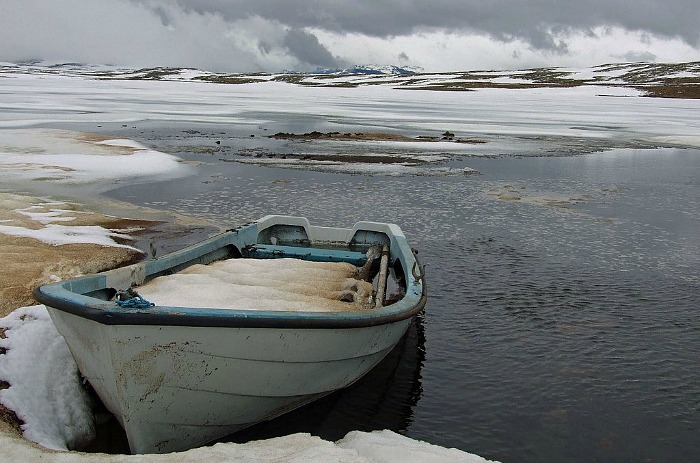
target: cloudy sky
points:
(275, 35)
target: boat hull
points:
(176, 387)
(179, 377)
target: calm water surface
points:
(563, 321)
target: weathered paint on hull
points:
(175, 387)
(178, 377)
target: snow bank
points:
(44, 388)
(356, 447)
(46, 394)
(388, 447)
(38, 214)
(66, 158)
(61, 234)
(37, 222)
(259, 284)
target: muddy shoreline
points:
(28, 262)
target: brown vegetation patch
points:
(340, 75)
(691, 91)
(6, 415)
(87, 137)
(458, 86)
(234, 80)
(347, 136)
(28, 263)
(550, 76)
(653, 72)
(338, 85)
(335, 157)
(153, 73)
(289, 78)
(360, 158)
(360, 137)
(9, 416)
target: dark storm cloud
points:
(541, 23)
(162, 14)
(307, 49)
(272, 35)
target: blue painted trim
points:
(267, 251)
(71, 296)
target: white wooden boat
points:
(181, 376)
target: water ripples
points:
(561, 326)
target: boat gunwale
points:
(61, 296)
(106, 314)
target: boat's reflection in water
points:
(383, 399)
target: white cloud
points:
(441, 51)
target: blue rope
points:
(136, 302)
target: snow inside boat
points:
(246, 325)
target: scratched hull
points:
(178, 377)
(174, 388)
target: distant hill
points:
(668, 80)
(372, 69)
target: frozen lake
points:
(564, 275)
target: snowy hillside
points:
(678, 80)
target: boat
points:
(178, 375)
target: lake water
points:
(563, 320)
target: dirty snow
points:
(54, 215)
(262, 285)
(46, 214)
(45, 391)
(61, 234)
